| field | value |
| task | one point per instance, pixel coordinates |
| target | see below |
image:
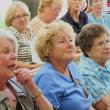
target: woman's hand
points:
(24, 77)
(103, 104)
(91, 108)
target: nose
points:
(107, 46)
(22, 18)
(70, 44)
(13, 55)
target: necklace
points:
(78, 82)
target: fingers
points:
(23, 75)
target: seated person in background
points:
(94, 65)
(97, 16)
(13, 96)
(17, 22)
(48, 10)
(75, 16)
(64, 85)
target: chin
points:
(70, 59)
(11, 75)
(108, 58)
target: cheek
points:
(52, 14)
(97, 53)
(26, 21)
(3, 61)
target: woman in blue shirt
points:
(94, 64)
(58, 77)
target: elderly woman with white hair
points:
(13, 96)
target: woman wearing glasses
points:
(48, 10)
(94, 41)
(17, 21)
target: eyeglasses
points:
(18, 17)
(103, 43)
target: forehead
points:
(102, 37)
(19, 10)
(4, 42)
(74, 0)
(56, 5)
(63, 33)
(95, 1)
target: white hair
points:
(6, 34)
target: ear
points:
(88, 53)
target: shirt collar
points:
(89, 63)
(2, 96)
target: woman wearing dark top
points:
(75, 16)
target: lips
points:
(11, 67)
(107, 52)
(70, 51)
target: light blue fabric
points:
(97, 79)
(61, 91)
(105, 21)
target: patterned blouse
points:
(24, 50)
(97, 78)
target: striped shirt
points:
(24, 49)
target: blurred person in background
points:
(98, 16)
(75, 16)
(32, 4)
(48, 10)
(17, 22)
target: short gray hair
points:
(6, 34)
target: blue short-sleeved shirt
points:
(61, 91)
(97, 79)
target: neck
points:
(98, 15)
(21, 30)
(60, 66)
(75, 15)
(2, 85)
(102, 64)
(98, 61)
(43, 18)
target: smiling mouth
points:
(69, 51)
(107, 52)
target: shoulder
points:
(4, 102)
(85, 65)
(22, 94)
(83, 14)
(33, 20)
(107, 17)
(44, 73)
(90, 16)
(66, 17)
